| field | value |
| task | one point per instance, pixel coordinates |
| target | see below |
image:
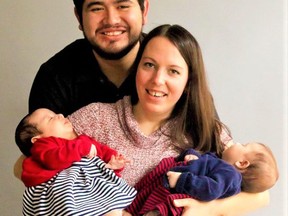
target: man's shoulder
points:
(76, 58)
(75, 50)
(77, 45)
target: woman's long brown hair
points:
(196, 125)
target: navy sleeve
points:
(187, 152)
(219, 180)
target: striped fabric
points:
(152, 195)
(86, 188)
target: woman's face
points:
(161, 77)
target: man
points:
(96, 68)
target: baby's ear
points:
(33, 139)
(242, 164)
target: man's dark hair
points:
(79, 6)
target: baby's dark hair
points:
(262, 174)
(24, 132)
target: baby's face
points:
(51, 124)
(240, 151)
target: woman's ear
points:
(242, 164)
(33, 139)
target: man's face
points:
(113, 27)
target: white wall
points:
(244, 44)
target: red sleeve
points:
(103, 151)
(57, 153)
(34, 174)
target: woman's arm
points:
(239, 204)
(18, 166)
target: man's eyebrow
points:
(94, 3)
(120, 1)
(102, 3)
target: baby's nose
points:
(60, 115)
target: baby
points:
(57, 156)
(244, 167)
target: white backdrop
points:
(244, 44)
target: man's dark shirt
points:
(72, 79)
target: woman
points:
(172, 110)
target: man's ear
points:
(33, 139)
(145, 11)
(242, 164)
(78, 18)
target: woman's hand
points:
(225, 207)
(195, 207)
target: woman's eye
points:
(175, 72)
(148, 64)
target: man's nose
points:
(112, 16)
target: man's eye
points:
(95, 9)
(123, 6)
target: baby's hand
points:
(173, 178)
(190, 157)
(152, 213)
(117, 162)
(93, 152)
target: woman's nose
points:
(159, 77)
